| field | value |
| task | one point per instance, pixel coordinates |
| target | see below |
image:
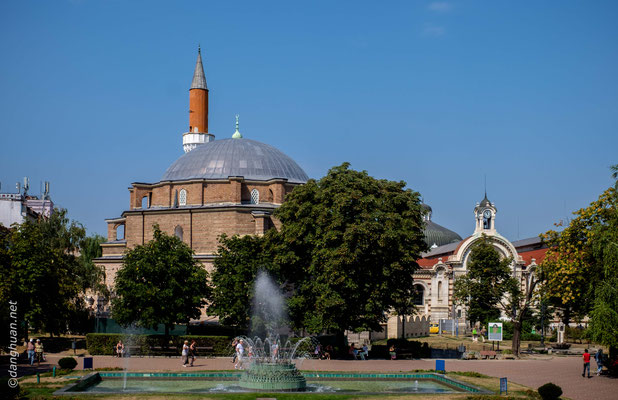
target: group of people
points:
(475, 334)
(356, 354)
(35, 351)
(189, 352)
(323, 354)
(598, 357)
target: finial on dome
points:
(237, 134)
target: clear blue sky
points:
(94, 96)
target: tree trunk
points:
(403, 326)
(516, 337)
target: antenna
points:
(18, 187)
(485, 185)
(26, 185)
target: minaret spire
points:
(199, 79)
(198, 109)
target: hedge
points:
(67, 363)
(405, 349)
(105, 343)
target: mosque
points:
(233, 186)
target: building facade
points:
(229, 186)
(442, 265)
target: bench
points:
(133, 351)
(206, 351)
(486, 354)
(167, 352)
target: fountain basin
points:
(265, 376)
(228, 382)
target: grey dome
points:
(221, 159)
(439, 235)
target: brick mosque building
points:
(233, 185)
(229, 186)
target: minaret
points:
(198, 109)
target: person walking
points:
(240, 349)
(185, 353)
(192, 352)
(598, 357)
(30, 348)
(38, 349)
(234, 343)
(586, 363)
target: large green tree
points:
(580, 269)
(348, 243)
(159, 283)
(483, 288)
(44, 272)
(235, 269)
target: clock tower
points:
(485, 214)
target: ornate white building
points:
(442, 265)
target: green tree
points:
(483, 288)
(348, 244)
(91, 275)
(235, 269)
(44, 271)
(580, 268)
(159, 283)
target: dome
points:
(221, 159)
(439, 235)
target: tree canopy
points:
(581, 265)
(348, 243)
(45, 275)
(235, 269)
(159, 283)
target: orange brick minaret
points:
(198, 98)
(198, 109)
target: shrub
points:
(104, 343)
(549, 391)
(67, 363)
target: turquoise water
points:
(316, 382)
(327, 386)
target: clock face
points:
(487, 214)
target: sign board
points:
(88, 363)
(494, 331)
(503, 385)
(440, 366)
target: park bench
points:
(131, 351)
(205, 351)
(486, 354)
(163, 351)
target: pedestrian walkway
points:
(563, 371)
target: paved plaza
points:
(563, 371)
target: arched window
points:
(120, 232)
(182, 198)
(419, 295)
(178, 232)
(255, 197)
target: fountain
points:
(271, 363)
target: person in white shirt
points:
(240, 349)
(185, 353)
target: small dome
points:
(221, 159)
(439, 235)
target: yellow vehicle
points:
(433, 328)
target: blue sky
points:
(94, 96)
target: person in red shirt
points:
(586, 363)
